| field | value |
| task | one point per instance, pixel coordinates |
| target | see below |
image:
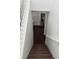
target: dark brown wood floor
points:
(39, 50)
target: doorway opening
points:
(39, 26)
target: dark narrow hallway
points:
(39, 37)
(39, 50)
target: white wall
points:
(36, 17)
(53, 21)
(26, 29)
(40, 5)
(21, 8)
(53, 47)
(53, 29)
(28, 43)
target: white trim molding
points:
(53, 38)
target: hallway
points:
(39, 50)
(39, 29)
